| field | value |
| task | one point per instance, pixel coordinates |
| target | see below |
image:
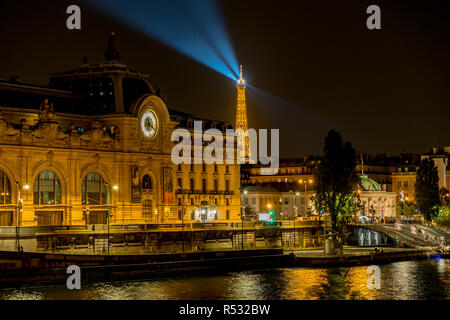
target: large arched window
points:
(93, 190)
(146, 183)
(5, 189)
(47, 189)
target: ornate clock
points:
(149, 124)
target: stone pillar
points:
(118, 94)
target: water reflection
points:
(428, 279)
(312, 283)
(402, 280)
(356, 282)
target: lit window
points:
(93, 190)
(47, 189)
(5, 189)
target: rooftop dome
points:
(368, 184)
(104, 88)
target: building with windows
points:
(395, 174)
(404, 177)
(376, 202)
(286, 203)
(292, 170)
(95, 147)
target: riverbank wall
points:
(17, 269)
(368, 258)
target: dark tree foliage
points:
(335, 179)
(249, 213)
(427, 189)
(445, 196)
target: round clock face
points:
(149, 124)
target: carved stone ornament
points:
(46, 112)
(96, 137)
(49, 133)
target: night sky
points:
(311, 66)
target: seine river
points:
(426, 279)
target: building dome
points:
(368, 184)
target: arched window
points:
(47, 189)
(93, 190)
(146, 182)
(5, 189)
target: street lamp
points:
(294, 206)
(19, 211)
(305, 182)
(402, 201)
(242, 218)
(182, 222)
(108, 196)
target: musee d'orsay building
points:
(98, 140)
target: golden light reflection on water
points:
(306, 284)
(428, 279)
(24, 295)
(356, 280)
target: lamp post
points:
(109, 214)
(242, 219)
(182, 222)
(402, 201)
(294, 207)
(19, 211)
(305, 182)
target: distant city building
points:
(284, 202)
(290, 172)
(404, 177)
(389, 177)
(376, 203)
(97, 143)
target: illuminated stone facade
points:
(98, 140)
(376, 203)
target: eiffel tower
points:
(241, 116)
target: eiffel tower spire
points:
(241, 114)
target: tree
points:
(427, 189)
(249, 213)
(406, 208)
(443, 217)
(335, 181)
(445, 196)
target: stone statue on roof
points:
(46, 112)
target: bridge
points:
(412, 235)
